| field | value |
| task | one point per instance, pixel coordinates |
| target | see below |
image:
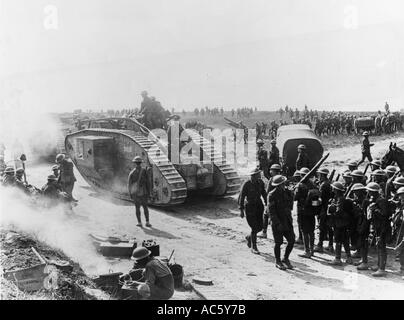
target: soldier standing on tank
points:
(139, 190)
(378, 215)
(302, 160)
(325, 194)
(280, 205)
(366, 148)
(66, 177)
(253, 190)
(340, 211)
(262, 156)
(273, 154)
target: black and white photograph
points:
(193, 151)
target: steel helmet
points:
(399, 181)
(400, 190)
(391, 169)
(19, 171)
(357, 173)
(255, 171)
(259, 141)
(304, 171)
(373, 187)
(144, 290)
(338, 186)
(301, 146)
(52, 177)
(137, 159)
(376, 163)
(352, 164)
(347, 174)
(55, 167)
(9, 170)
(365, 134)
(140, 253)
(60, 157)
(278, 180)
(273, 141)
(275, 167)
(323, 171)
(297, 173)
(378, 172)
(358, 187)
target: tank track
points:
(232, 178)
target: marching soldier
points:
(347, 179)
(273, 154)
(358, 177)
(340, 211)
(378, 215)
(366, 148)
(325, 195)
(379, 177)
(273, 171)
(139, 190)
(253, 190)
(66, 177)
(280, 205)
(305, 193)
(302, 160)
(262, 156)
(362, 224)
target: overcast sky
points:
(192, 53)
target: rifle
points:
(366, 168)
(332, 175)
(318, 164)
(338, 177)
(348, 191)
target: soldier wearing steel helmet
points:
(325, 195)
(400, 237)
(158, 279)
(139, 190)
(66, 177)
(366, 148)
(252, 193)
(352, 165)
(347, 177)
(262, 156)
(379, 176)
(358, 177)
(339, 212)
(8, 177)
(302, 160)
(378, 215)
(375, 165)
(280, 205)
(391, 172)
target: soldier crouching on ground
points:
(280, 205)
(250, 204)
(139, 190)
(8, 178)
(158, 280)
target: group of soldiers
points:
(57, 189)
(358, 212)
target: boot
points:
(263, 235)
(306, 254)
(287, 263)
(280, 265)
(349, 260)
(319, 248)
(330, 249)
(359, 263)
(356, 255)
(248, 238)
(374, 268)
(363, 266)
(336, 262)
(255, 251)
(379, 273)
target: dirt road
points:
(208, 238)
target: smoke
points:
(53, 227)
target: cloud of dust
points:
(53, 227)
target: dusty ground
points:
(208, 238)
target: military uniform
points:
(362, 226)
(139, 191)
(8, 180)
(325, 231)
(262, 156)
(273, 156)
(366, 151)
(280, 205)
(250, 201)
(66, 176)
(303, 161)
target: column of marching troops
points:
(359, 212)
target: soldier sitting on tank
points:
(158, 280)
(302, 160)
(139, 190)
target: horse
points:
(394, 154)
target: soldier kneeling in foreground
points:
(158, 280)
